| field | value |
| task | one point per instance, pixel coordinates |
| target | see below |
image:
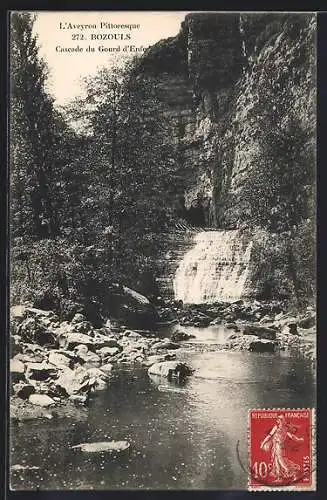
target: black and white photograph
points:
(162, 169)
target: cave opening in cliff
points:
(197, 212)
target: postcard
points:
(162, 250)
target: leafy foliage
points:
(91, 183)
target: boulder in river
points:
(164, 344)
(78, 398)
(171, 369)
(261, 331)
(180, 335)
(158, 358)
(104, 446)
(107, 367)
(262, 346)
(91, 359)
(74, 381)
(97, 373)
(132, 307)
(41, 400)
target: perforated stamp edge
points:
(295, 487)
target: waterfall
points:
(215, 269)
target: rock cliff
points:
(239, 91)
(221, 78)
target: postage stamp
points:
(281, 449)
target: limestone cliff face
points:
(219, 78)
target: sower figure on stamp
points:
(275, 441)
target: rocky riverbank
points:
(262, 326)
(56, 365)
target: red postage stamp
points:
(281, 450)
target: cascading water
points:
(215, 269)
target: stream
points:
(186, 439)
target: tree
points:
(32, 136)
(129, 163)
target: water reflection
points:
(179, 440)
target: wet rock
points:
(78, 398)
(41, 313)
(17, 369)
(23, 390)
(132, 356)
(262, 346)
(134, 347)
(229, 318)
(266, 319)
(40, 371)
(91, 360)
(59, 359)
(240, 342)
(180, 335)
(157, 358)
(31, 357)
(132, 335)
(165, 344)
(81, 349)
(71, 340)
(21, 312)
(97, 373)
(18, 467)
(233, 336)
(33, 330)
(74, 381)
(34, 349)
(31, 353)
(41, 400)
(171, 369)
(107, 367)
(233, 326)
(100, 385)
(100, 340)
(169, 388)
(131, 307)
(107, 352)
(216, 321)
(104, 446)
(260, 331)
(284, 319)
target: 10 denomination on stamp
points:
(281, 444)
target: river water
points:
(194, 438)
